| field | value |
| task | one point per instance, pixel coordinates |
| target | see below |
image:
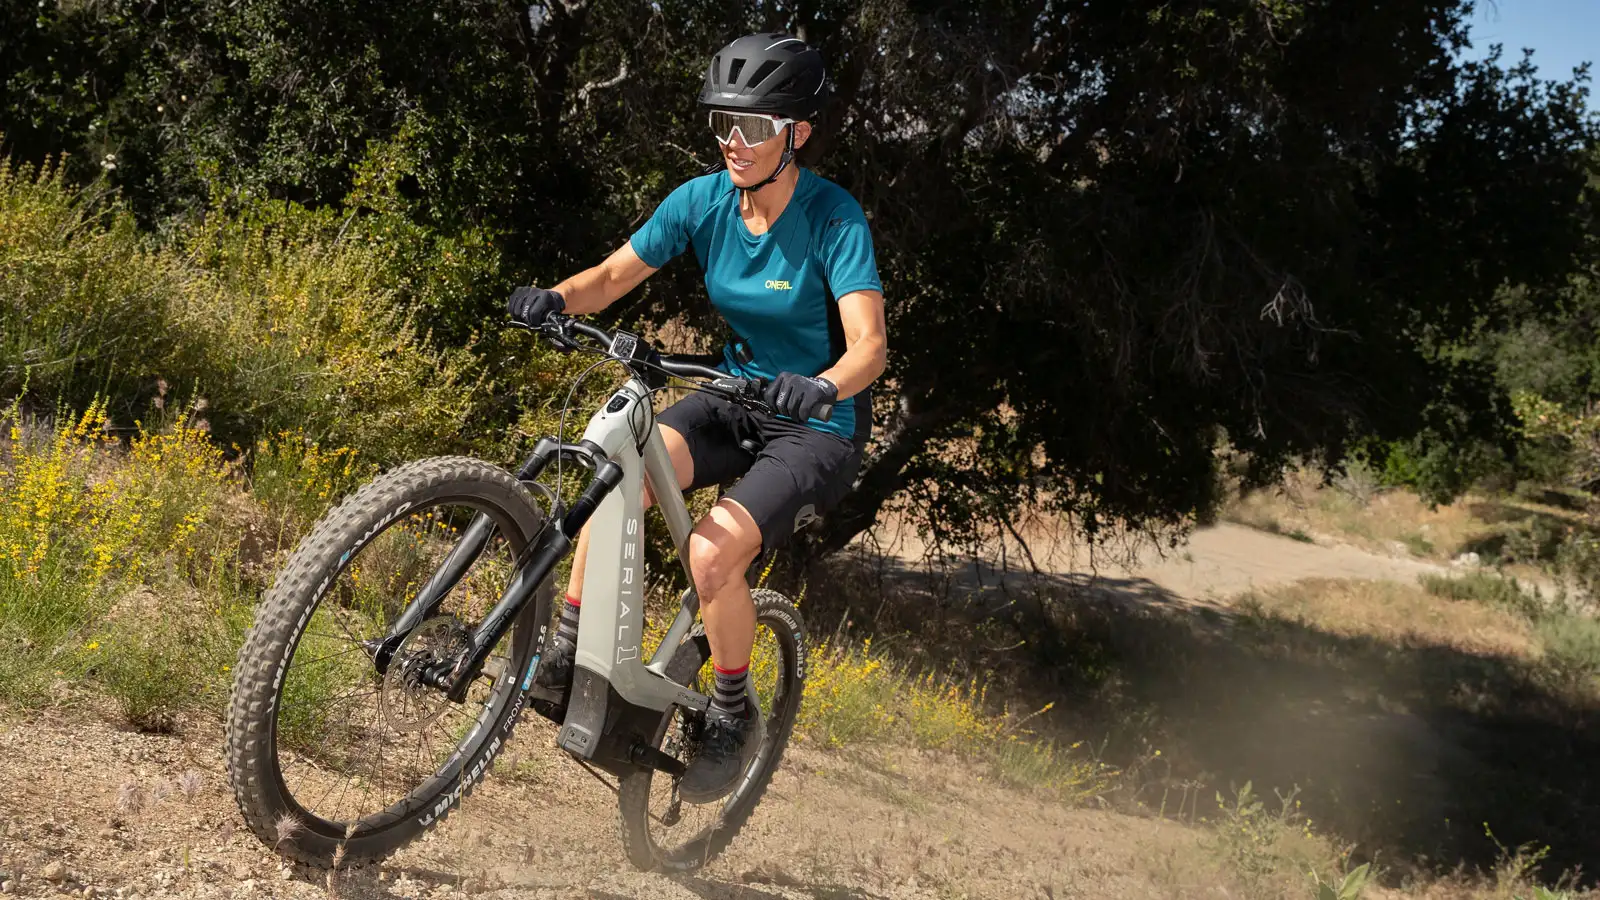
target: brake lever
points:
(554, 328)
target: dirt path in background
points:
(1217, 563)
(1226, 560)
(836, 826)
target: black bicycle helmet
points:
(773, 73)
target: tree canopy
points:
(1112, 232)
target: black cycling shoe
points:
(726, 748)
(553, 681)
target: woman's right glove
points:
(800, 397)
(532, 305)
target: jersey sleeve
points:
(666, 233)
(848, 257)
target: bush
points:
(1571, 647)
(297, 480)
(92, 531)
(1486, 588)
(282, 318)
(152, 666)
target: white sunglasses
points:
(754, 129)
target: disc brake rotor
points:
(409, 704)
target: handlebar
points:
(646, 362)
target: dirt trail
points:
(1216, 564)
(835, 825)
(1229, 559)
(842, 826)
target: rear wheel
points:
(334, 759)
(660, 829)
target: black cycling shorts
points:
(796, 474)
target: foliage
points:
(1139, 227)
(92, 533)
(1347, 887)
(1485, 588)
(1568, 639)
(1256, 838)
(281, 318)
(1575, 432)
(854, 695)
(296, 478)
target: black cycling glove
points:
(800, 397)
(531, 305)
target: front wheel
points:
(659, 829)
(337, 759)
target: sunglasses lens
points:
(755, 129)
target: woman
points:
(789, 264)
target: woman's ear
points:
(802, 133)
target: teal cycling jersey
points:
(778, 291)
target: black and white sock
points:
(729, 695)
(567, 627)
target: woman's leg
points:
(721, 549)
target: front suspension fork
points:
(548, 548)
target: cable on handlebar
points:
(560, 325)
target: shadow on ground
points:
(1408, 751)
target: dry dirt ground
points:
(87, 809)
(835, 825)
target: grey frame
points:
(612, 624)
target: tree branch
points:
(592, 86)
(881, 480)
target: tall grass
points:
(91, 536)
(856, 695)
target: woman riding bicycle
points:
(789, 264)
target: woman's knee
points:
(720, 549)
(709, 563)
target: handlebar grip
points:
(824, 412)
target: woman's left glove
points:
(802, 397)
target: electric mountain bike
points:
(393, 655)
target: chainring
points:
(408, 703)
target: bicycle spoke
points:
(354, 649)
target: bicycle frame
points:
(625, 450)
(612, 624)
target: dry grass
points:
(1398, 614)
(1383, 521)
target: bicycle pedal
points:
(548, 702)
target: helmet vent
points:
(767, 68)
(733, 72)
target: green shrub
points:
(281, 318)
(152, 666)
(1486, 588)
(1571, 646)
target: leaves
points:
(1348, 888)
(1113, 233)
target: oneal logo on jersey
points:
(779, 286)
